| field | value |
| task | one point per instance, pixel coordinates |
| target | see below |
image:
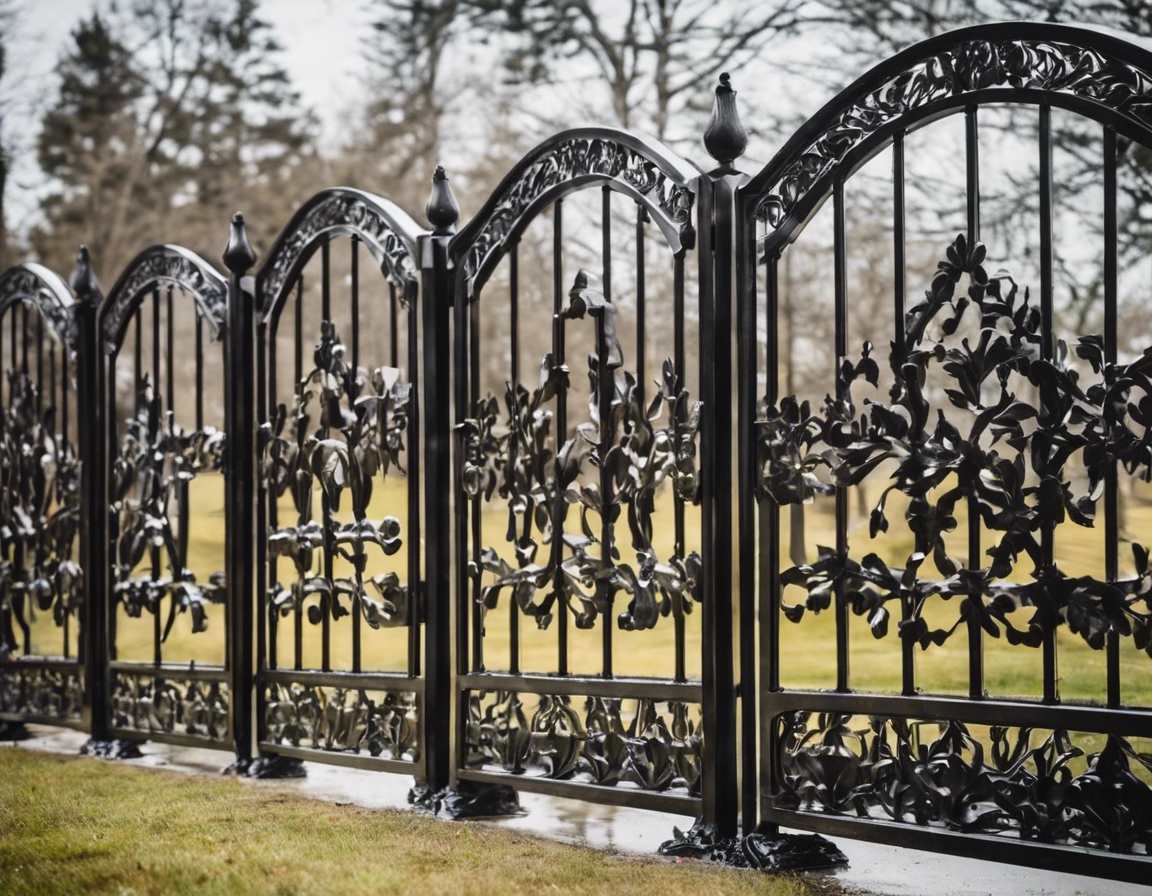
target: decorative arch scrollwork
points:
(1060, 63)
(388, 232)
(645, 170)
(164, 265)
(40, 286)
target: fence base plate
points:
(468, 799)
(11, 731)
(764, 852)
(267, 767)
(117, 748)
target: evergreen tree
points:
(170, 115)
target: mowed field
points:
(807, 648)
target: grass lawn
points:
(77, 825)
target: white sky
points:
(321, 53)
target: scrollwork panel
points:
(1050, 786)
(163, 704)
(607, 741)
(30, 690)
(375, 722)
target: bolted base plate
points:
(13, 731)
(467, 800)
(111, 749)
(764, 852)
(267, 768)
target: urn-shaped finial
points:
(725, 137)
(238, 254)
(83, 280)
(442, 211)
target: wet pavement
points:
(873, 868)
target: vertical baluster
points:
(24, 338)
(1048, 324)
(416, 584)
(137, 357)
(170, 361)
(12, 344)
(841, 338)
(325, 505)
(393, 328)
(39, 363)
(475, 528)
(267, 619)
(605, 383)
(561, 609)
(680, 364)
(297, 376)
(154, 424)
(641, 369)
(1111, 339)
(900, 276)
(975, 560)
(514, 328)
(358, 550)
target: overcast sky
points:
(321, 41)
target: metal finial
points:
(725, 137)
(238, 254)
(83, 280)
(442, 211)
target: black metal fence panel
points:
(503, 507)
(973, 449)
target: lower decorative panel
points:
(653, 745)
(380, 723)
(158, 705)
(1047, 786)
(47, 692)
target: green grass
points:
(75, 825)
(807, 648)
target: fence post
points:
(436, 298)
(725, 141)
(240, 487)
(91, 445)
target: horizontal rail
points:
(364, 761)
(567, 686)
(1019, 713)
(170, 670)
(590, 793)
(365, 681)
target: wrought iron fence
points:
(433, 564)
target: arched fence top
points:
(36, 284)
(161, 266)
(386, 229)
(1097, 72)
(571, 160)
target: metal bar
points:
(267, 511)
(900, 276)
(150, 671)
(840, 270)
(583, 686)
(155, 420)
(137, 355)
(1111, 346)
(605, 388)
(170, 348)
(359, 681)
(358, 548)
(590, 793)
(975, 558)
(366, 762)
(1019, 713)
(679, 362)
(1048, 856)
(393, 325)
(558, 504)
(39, 363)
(475, 530)
(241, 423)
(297, 378)
(514, 360)
(641, 311)
(1048, 324)
(325, 281)
(606, 238)
(415, 503)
